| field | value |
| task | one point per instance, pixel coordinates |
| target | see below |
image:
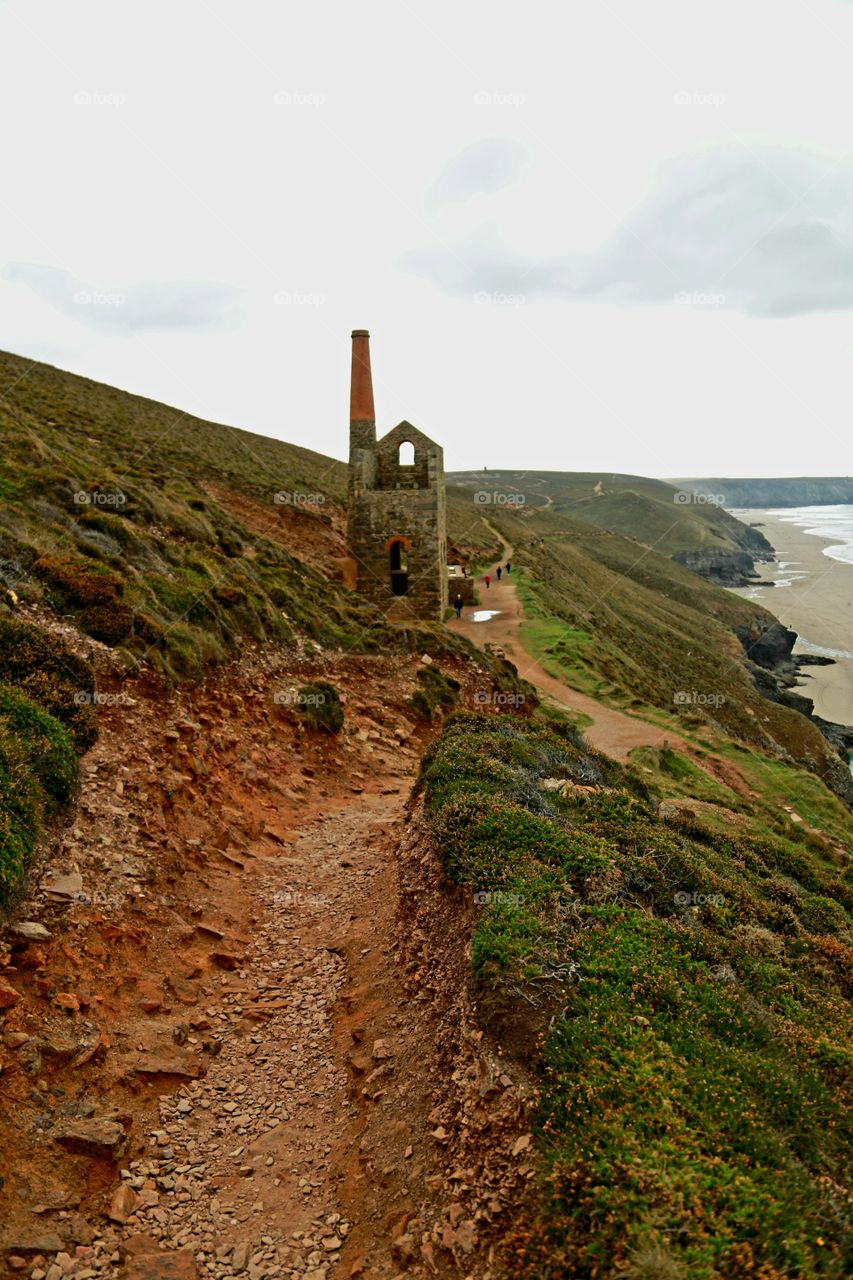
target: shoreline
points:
(813, 596)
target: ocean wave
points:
(833, 523)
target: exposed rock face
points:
(724, 568)
(770, 648)
(775, 670)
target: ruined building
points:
(396, 522)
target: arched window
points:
(398, 563)
(406, 455)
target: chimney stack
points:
(362, 415)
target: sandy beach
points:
(813, 596)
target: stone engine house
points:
(396, 515)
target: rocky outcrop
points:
(775, 670)
(723, 568)
(771, 647)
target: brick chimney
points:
(362, 415)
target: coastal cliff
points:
(785, 491)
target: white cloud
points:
(768, 230)
(150, 305)
(482, 168)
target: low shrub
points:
(320, 707)
(47, 672)
(111, 623)
(78, 582)
(437, 692)
(47, 746)
(20, 815)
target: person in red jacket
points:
(487, 580)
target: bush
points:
(47, 672)
(437, 692)
(822, 915)
(20, 814)
(111, 623)
(78, 582)
(320, 707)
(46, 745)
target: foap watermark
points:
(696, 98)
(97, 98)
(484, 298)
(299, 898)
(288, 298)
(290, 498)
(84, 698)
(298, 98)
(494, 897)
(685, 899)
(696, 698)
(498, 698)
(499, 98)
(491, 498)
(298, 698)
(686, 497)
(98, 298)
(699, 298)
(98, 498)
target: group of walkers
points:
(487, 578)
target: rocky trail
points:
(214, 1062)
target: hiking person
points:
(508, 567)
(487, 580)
(457, 605)
(499, 573)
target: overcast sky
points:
(592, 236)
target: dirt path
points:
(214, 1061)
(612, 732)
(205, 1051)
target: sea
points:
(824, 522)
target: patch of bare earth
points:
(219, 1055)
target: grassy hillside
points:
(678, 979)
(644, 633)
(170, 538)
(654, 512)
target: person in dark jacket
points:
(457, 605)
(508, 566)
(499, 572)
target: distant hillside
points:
(674, 521)
(642, 631)
(786, 491)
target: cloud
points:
(173, 304)
(770, 231)
(479, 169)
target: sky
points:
(587, 236)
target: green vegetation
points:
(437, 692)
(46, 719)
(45, 670)
(685, 987)
(320, 707)
(48, 747)
(647, 635)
